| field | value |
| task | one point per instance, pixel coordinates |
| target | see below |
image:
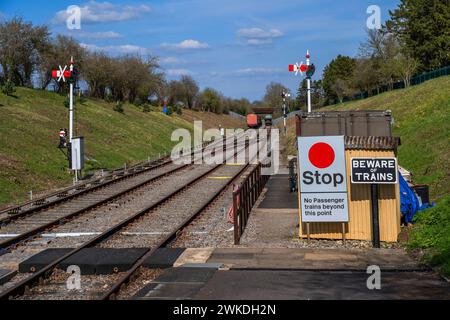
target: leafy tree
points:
(423, 27)
(365, 76)
(211, 101)
(336, 77)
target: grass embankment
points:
(29, 126)
(422, 121)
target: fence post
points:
(235, 217)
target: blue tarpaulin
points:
(409, 202)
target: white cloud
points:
(258, 33)
(185, 45)
(258, 36)
(99, 35)
(171, 60)
(121, 49)
(178, 72)
(258, 42)
(93, 12)
(258, 71)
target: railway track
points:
(119, 234)
(21, 226)
(73, 192)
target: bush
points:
(146, 108)
(178, 110)
(81, 99)
(8, 88)
(109, 98)
(119, 107)
(67, 103)
(431, 232)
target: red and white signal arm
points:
(323, 179)
(298, 68)
(61, 73)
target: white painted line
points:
(11, 235)
(142, 233)
(69, 234)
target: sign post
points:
(375, 215)
(323, 179)
(374, 171)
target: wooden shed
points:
(359, 225)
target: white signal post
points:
(308, 80)
(309, 69)
(59, 75)
(284, 95)
(71, 111)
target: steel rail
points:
(112, 293)
(63, 220)
(23, 286)
(121, 174)
(84, 191)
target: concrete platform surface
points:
(320, 285)
(278, 195)
(295, 274)
(313, 259)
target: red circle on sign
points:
(321, 155)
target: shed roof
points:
(372, 143)
(369, 143)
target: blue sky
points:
(235, 46)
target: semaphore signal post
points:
(75, 146)
(309, 69)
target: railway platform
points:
(294, 273)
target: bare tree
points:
(406, 66)
(20, 46)
(58, 52)
(190, 90)
(273, 96)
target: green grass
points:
(29, 125)
(431, 233)
(422, 121)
